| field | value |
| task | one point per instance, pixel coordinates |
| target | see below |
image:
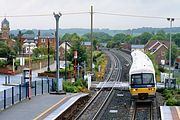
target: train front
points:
(142, 81)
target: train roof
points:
(141, 63)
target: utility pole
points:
(59, 83)
(171, 20)
(48, 68)
(91, 38)
(65, 60)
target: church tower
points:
(5, 29)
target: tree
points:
(160, 35)
(6, 52)
(76, 45)
(176, 39)
(144, 37)
(174, 53)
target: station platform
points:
(170, 112)
(45, 106)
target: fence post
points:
(19, 92)
(42, 86)
(48, 85)
(35, 88)
(12, 95)
(4, 99)
(8, 79)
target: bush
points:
(168, 93)
(79, 85)
(161, 69)
(3, 63)
(171, 102)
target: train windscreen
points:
(142, 79)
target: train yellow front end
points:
(142, 81)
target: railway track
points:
(93, 108)
(142, 111)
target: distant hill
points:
(82, 31)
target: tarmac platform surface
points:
(36, 107)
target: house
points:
(137, 47)
(64, 46)
(5, 33)
(158, 49)
(36, 40)
(87, 44)
(43, 40)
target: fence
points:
(18, 93)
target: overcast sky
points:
(164, 8)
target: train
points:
(142, 80)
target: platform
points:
(170, 112)
(40, 107)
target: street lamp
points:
(171, 20)
(59, 83)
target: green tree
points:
(76, 45)
(144, 37)
(160, 35)
(174, 53)
(176, 39)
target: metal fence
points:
(13, 95)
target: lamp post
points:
(48, 68)
(171, 20)
(59, 83)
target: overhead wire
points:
(95, 12)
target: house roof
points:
(149, 45)
(161, 45)
(28, 36)
(86, 43)
(137, 46)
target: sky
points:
(157, 8)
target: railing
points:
(17, 93)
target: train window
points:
(147, 78)
(136, 79)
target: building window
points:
(43, 40)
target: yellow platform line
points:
(49, 109)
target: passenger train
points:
(142, 81)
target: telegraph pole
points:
(91, 38)
(65, 60)
(59, 83)
(48, 68)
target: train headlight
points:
(134, 90)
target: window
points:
(147, 78)
(144, 78)
(136, 79)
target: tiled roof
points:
(137, 46)
(86, 43)
(28, 36)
